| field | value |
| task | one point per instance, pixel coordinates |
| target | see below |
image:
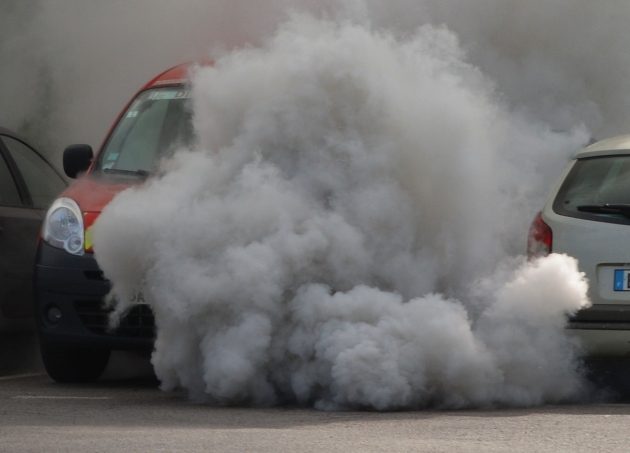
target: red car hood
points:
(92, 195)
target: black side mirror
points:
(77, 159)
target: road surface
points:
(129, 413)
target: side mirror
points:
(77, 159)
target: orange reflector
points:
(88, 220)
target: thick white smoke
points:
(344, 232)
(69, 65)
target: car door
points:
(28, 184)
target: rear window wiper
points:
(121, 171)
(608, 208)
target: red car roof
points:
(176, 75)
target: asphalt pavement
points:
(37, 415)
(127, 412)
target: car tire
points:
(72, 364)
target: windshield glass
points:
(157, 123)
(592, 186)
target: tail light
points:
(540, 238)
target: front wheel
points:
(73, 364)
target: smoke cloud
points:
(70, 65)
(346, 231)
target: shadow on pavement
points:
(125, 366)
(612, 376)
(19, 353)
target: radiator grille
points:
(138, 322)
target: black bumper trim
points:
(74, 285)
(599, 325)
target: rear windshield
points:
(157, 123)
(597, 189)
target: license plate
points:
(622, 279)
(138, 298)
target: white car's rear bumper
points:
(603, 342)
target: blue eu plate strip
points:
(619, 279)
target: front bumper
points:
(76, 287)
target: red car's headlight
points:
(63, 227)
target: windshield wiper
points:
(608, 208)
(121, 171)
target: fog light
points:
(53, 314)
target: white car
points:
(587, 216)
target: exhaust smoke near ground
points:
(346, 231)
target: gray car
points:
(28, 184)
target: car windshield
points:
(595, 188)
(157, 123)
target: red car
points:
(69, 286)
